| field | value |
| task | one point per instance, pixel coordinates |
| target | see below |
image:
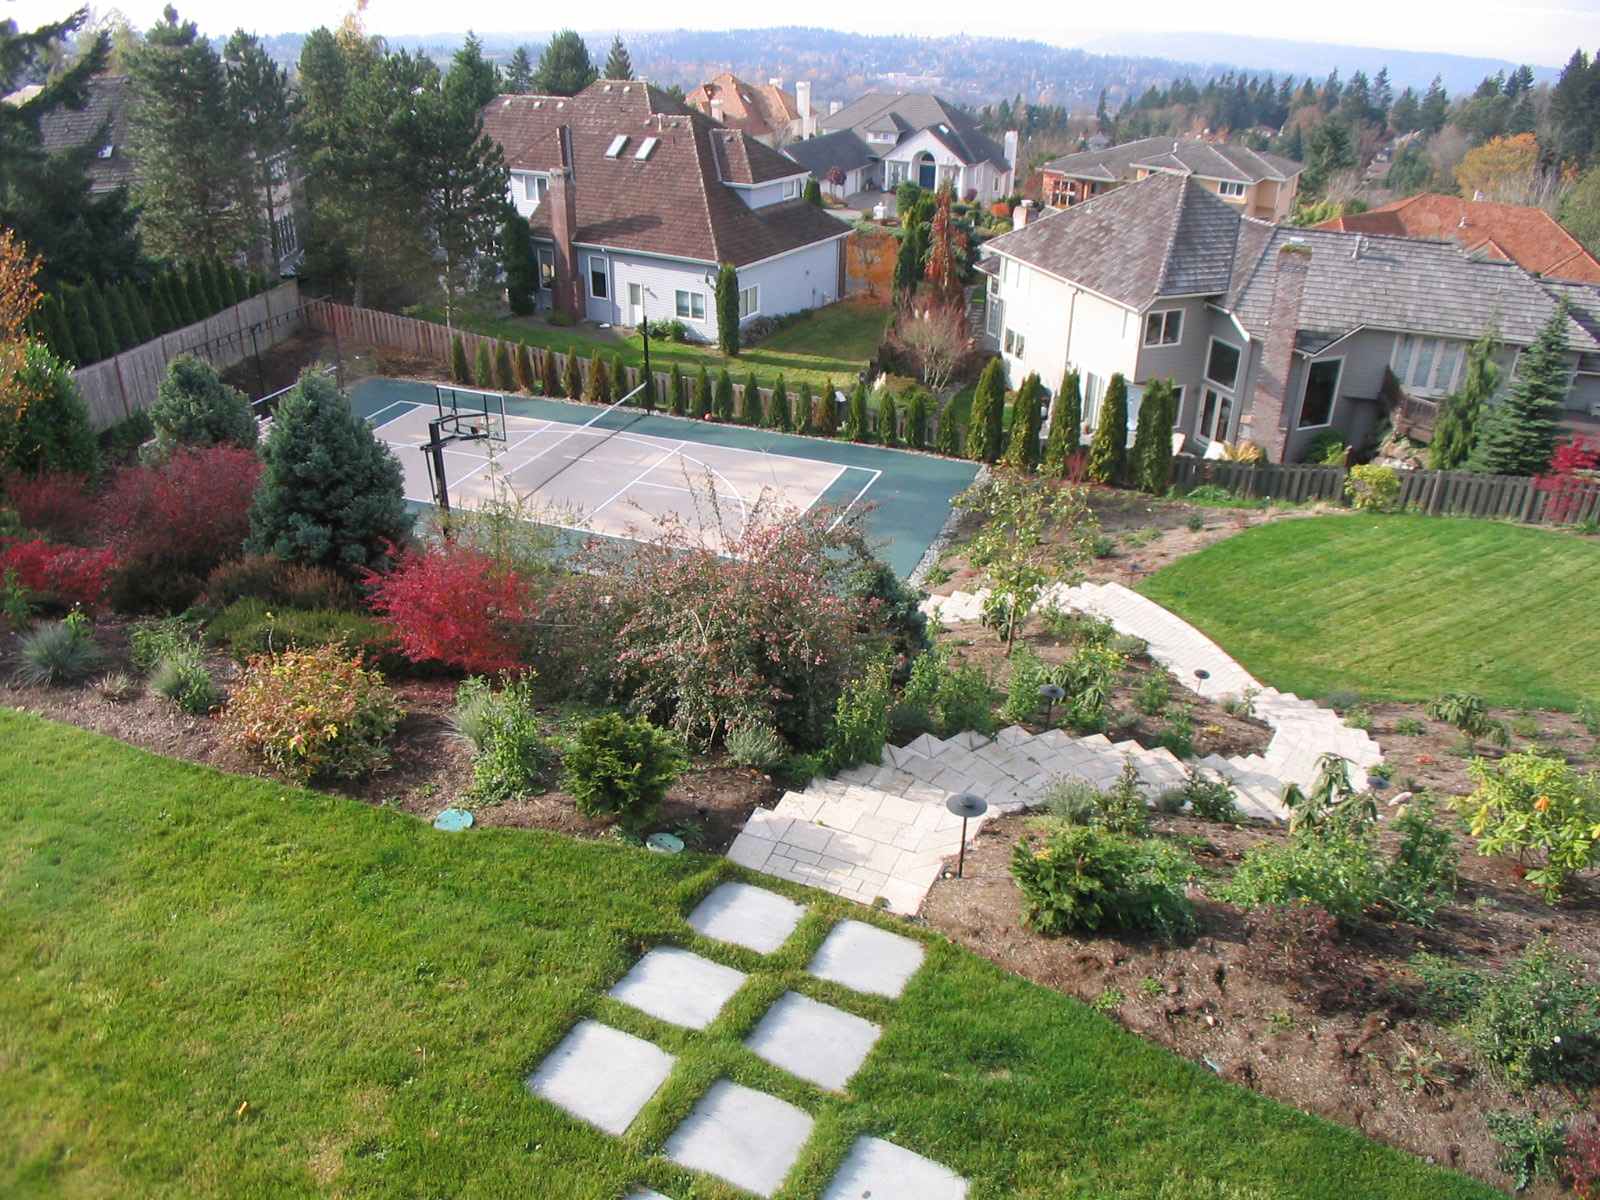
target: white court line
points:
(489, 459)
(377, 425)
(639, 478)
(876, 475)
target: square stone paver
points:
(747, 1137)
(601, 1075)
(746, 916)
(867, 959)
(815, 1041)
(678, 986)
(884, 1171)
(647, 1194)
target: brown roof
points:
(677, 200)
(64, 129)
(1529, 237)
(758, 109)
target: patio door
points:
(1211, 422)
(927, 172)
(635, 304)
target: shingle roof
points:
(1161, 237)
(843, 149)
(63, 129)
(676, 200)
(1184, 156)
(906, 113)
(1529, 237)
(757, 108)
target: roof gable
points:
(1189, 156)
(907, 113)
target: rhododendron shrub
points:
(171, 524)
(454, 604)
(60, 575)
(58, 504)
(1573, 480)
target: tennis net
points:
(573, 447)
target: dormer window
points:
(618, 144)
(107, 150)
(645, 147)
(1230, 189)
(791, 188)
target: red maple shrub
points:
(454, 604)
(59, 575)
(1573, 479)
(1580, 1160)
(61, 505)
(172, 523)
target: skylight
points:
(617, 143)
(645, 147)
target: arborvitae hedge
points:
(805, 414)
(572, 376)
(723, 398)
(1066, 420)
(85, 336)
(778, 416)
(917, 419)
(460, 371)
(1108, 453)
(505, 376)
(677, 392)
(702, 395)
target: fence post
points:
(1528, 501)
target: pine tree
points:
(331, 493)
(549, 377)
(857, 420)
(917, 420)
(472, 77)
(1517, 436)
(813, 192)
(599, 391)
(85, 337)
(618, 64)
(194, 407)
(527, 376)
(1456, 428)
(1108, 452)
(750, 401)
(516, 245)
(677, 392)
(483, 370)
(728, 310)
(778, 416)
(702, 395)
(133, 303)
(262, 103)
(505, 375)
(460, 372)
(722, 400)
(1152, 438)
(572, 376)
(1022, 442)
(105, 329)
(888, 419)
(519, 72)
(805, 410)
(988, 411)
(565, 68)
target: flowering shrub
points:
(1372, 488)
(454, 604)
(1580, 1159)
(173, 522)
(60, 504)
(311, 714)
(61, 575)
(1540, 809)
(1572, 478)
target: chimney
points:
(1011, 154)
(1022, 214)
(777, 83)
(1266, 420)
(802, 101)
(834, 106)
(563, 205)
(716, 109)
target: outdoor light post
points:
(966, 806)
(1052, 694)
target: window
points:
(1216, 410)
(1322, 388)
(1013, 343)
(284, 235)
(1177, 408)
(599, 278)
(1428, 365)
(749, 302)
(994, 317)
(1230, 190)
(791, 188)
(1164, 328)
(1222, 366)
(1094, 390)
(534, 188)
(618, 144)
(691, 306)
(645, 147)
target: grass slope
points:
(175, 943)
(1403, 607)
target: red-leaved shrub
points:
(456, 605)
(62, 575)
(1580, 1160)
(1574, 479)
(61, 505)
(172, 523)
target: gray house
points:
(634, 201)
(1271, 333)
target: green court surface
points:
(618, 478)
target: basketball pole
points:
(435, 449)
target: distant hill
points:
(1407, 68)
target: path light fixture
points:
(966, 806)
(1202, 674)
(1052, 694)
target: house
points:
(1270, 333)
(635, 200)
(764, 111)
(1261, 185)
(1519, 233)
(880, 141)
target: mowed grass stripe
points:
(1400, 607)
(175, 942)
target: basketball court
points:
(620, 471)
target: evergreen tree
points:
(121, 319)
(472, 77)
(917, 419)
(750, 401)
(133, 303)
(211, 276)
(58, 331)
(813, 192)
(1435, 109)
(331, 493)
(522, 276)
(778, 416)
(519, 72)
(702, 395)
(1517, 436)
(195, 285)
(888, 419)
(163, 319)
(1108, 452)
(193, 407)
(483, 367)
(988, 411)
(722, 400)
(523, 370)
(105, 330)
(1152, 438)
(572, 376)
(52, 431)
(728, 310)
(1066, 419)
(857, 420)
(947, 438)
(1456, 428)
(505, 375)
(908, 261)
(564, 68)
(549, 378)
(825, 422)
(618, 64)
(677, 392)
(261, 102)
(599, 391)
(1022, 445)
(647, 380)
(85, 336)
(1331, 150)
(186, 307)
(460, 372)
(805, 410)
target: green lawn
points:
(1403, 607)
(219, 986)
(833, 343)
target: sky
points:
(1543, 32)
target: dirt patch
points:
(1209, 1001)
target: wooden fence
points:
(1436, 493)
(118, 387)
(351, 326)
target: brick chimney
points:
(563, 204)
(1266, 422)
